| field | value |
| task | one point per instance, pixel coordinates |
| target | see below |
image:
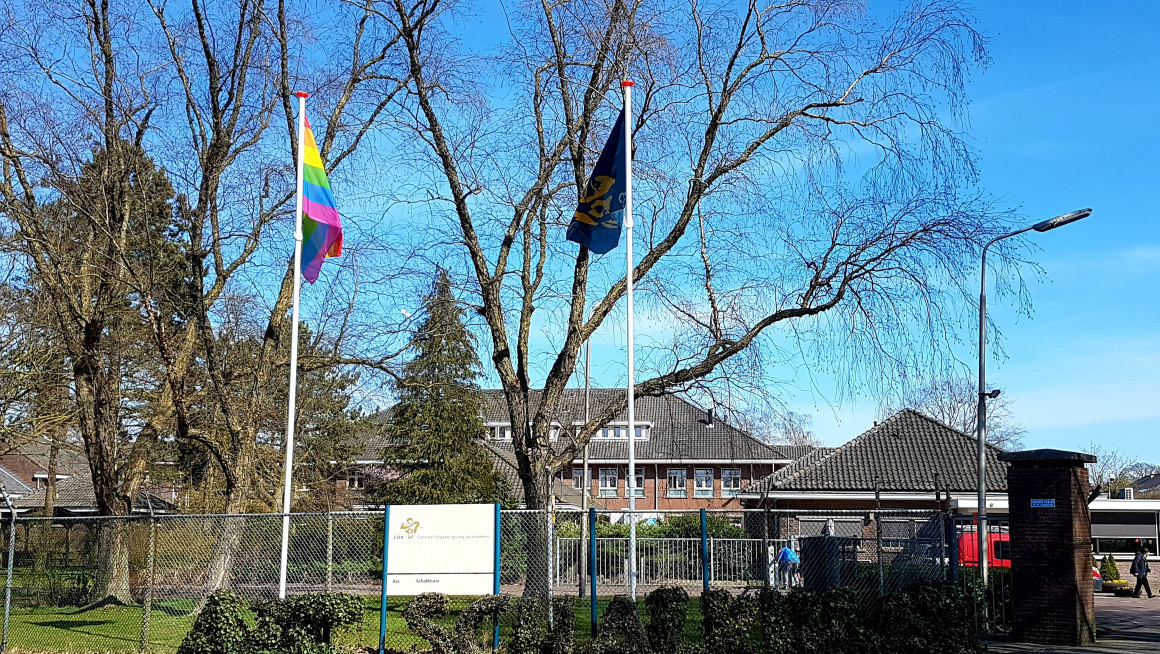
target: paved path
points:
(1123, 624)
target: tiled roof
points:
(680, 431)
(1147, 484)
(794, 452)
(904, 452)
(70, 459)
(76, 493)
(15, 486)
(506, 465)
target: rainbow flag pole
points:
(317, 236)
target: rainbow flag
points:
(321, 226)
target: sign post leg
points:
(498, 533)
(383, 605)
(592, 562)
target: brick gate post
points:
(1051, 577)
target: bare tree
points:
(955, 402)
(1113, 470)
(97, 100)
(802, 196)
(777, 428)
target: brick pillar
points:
(1051, 535)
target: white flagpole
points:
(288, 479)
(631, 481)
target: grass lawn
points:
(118, 628)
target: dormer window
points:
(503, 431)
(621, 431)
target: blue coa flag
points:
(596, 223)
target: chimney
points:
(709, 416)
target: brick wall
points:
(1050, 548)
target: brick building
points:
(685, 457)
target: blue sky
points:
(1066, 117)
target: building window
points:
(730, 482)
(642, 431)
(578, 478)
(354, 479)
(678, 478)
(638, 487)
(608, 479)
(1124, 546)
(704, 483)
(499, 432)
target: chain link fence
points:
(162, 569)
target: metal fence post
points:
(11, 554)
(954, 553)
(498, 561)
(550, 515)
(150, 567)
(878, 534)
(704, 552)
(765, 547)
(592, 563)
(329, 549)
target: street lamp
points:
(981, 418)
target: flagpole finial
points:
(302, 94)
(627, 82)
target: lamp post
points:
(981, 418)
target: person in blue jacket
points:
(787, 566)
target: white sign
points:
(1043, 504)
(441, 548)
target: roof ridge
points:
(973, 439)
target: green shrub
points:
(529, 629)
(420, 616)
(219, 629)
(726, 622)
(1108, 569)
(620, 630)
(304, 623)
(774, 621)
(667, 608)
(477, 620)
(922, 619)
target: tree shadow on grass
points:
(80, 627)
(72, 624)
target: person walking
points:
(1141, 569)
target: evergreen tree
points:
(437, 422)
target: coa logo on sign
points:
(411, 527)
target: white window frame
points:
(673, 491)
(640, 476)
(730, 482)
(698, 489)
(355, 479)
(619, 431)
(609, 491)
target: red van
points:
(998, 550)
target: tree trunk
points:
(50, 483)
(220, 570)
(113, 563)
(535, 529)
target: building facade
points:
(685, 457)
